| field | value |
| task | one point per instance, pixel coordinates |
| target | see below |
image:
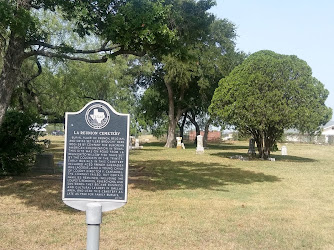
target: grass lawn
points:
(180, 200)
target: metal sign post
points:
(93, 220)
(95, 175)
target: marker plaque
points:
(96, 157)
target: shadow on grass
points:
(169, 175)
(229, 154)
(136, 151)
(291, 158)
(153, 144)
(283, 158)
(43, 192)
(191, 144)
(217, 146)
(227, 146)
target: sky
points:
(304, 28)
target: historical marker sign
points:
(96, 157)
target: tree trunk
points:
(174, 114)
(181, 127)
(192, 118)
(259, 145)
(206, 132)
(170, 143)
(198, 131)
(266, 148)
(10, 73)
(263, 145)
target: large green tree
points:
(73, 83)
(187, 85)
(268, 93)
(122, 26)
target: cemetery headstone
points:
(137, 143)
(179, 142)
(284, 150)
(199, 148)
(131, 140)
(137, 146)
(251, 147)
(44, 164)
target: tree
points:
(214, 63)
(211, 58)
(152, 111)
(268, 93)
(73, 83)
(123, 27)
(188, 85)
(19, 142)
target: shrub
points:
(18, 142)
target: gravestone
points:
(284, 150)
(44, 164)
(179, 142)
(199, 148)
(96, 157)
(137, 145)
(251, 147)
(131, 140)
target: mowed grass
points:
(180, 200)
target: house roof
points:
(328, 124)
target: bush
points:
(18, 142)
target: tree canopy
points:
(187, 84)
(118, 27)
(268, 93)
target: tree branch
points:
(184, 119)
(76, 51)
(191, 118)
(56, 55)
(88, 97)
(30, 91)
(128, 52)
(26, 82)
(67, 55)
(34, 6)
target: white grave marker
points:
(284, 150)
(179, 142)
(199, 148)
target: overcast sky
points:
(304, 28)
